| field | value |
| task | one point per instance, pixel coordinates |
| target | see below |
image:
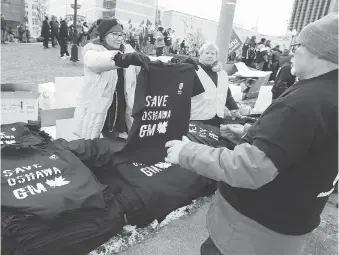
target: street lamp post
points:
(225, 28)
(74, 50)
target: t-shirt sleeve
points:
(198, 88)
(283, 134)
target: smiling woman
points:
(106, 100)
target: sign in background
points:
(235, 42)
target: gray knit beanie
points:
(321, 37)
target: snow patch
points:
(131, 235)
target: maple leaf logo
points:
(162, 127)
(57, 182)
(163, 165)
(53, 157)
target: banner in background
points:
(235, 42)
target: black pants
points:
(209, 248)
(159, 51)
(53, 38)
(46, 37)
(63, 47)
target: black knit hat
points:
(107, 25)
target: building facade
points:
(14, 13)
(124, 10)
(184, 24)
(35, 12)
(307, 11)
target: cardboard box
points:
(58, 100)
(240, 70)
(18, 103)
(47, 95)
(64, 131)
(264, 100)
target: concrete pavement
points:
(180, 237)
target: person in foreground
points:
(211, 92)
(275, 184)
(106, 100)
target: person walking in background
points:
(262, 54)
(53, 31)
(57, 26)
(45, 32)
(63, 35)
(21, 32)
(93, 30)
(159, 42)
(283, 80)
(284, 57)
(248, 51)
(3, 29)
(10, 34)
(268, 56)
(79, 32)
(276, 53)
(84, 32)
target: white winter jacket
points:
(96, 96)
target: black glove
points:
(185, 59)
(135, 59)
(191, 61)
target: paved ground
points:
(31, 64)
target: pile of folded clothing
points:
(51, 202)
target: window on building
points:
(108, 14)
(5, 7)
(26, 5)
(109, 4)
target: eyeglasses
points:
(294, 47)
(117, 35)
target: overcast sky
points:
(273, 14)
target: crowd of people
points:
(263, 57)
(161, 41)
(7, 33)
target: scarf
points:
(115, 119)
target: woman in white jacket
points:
(106, 100)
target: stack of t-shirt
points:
(51, 202)
(162, 114)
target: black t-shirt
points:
(162, 188)
(209, 135)
(161, 110)
(299, 133)
(44, 180)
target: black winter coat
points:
(45, 29)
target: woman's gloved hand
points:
(184, 59)
(191, 61)
(134, 58)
